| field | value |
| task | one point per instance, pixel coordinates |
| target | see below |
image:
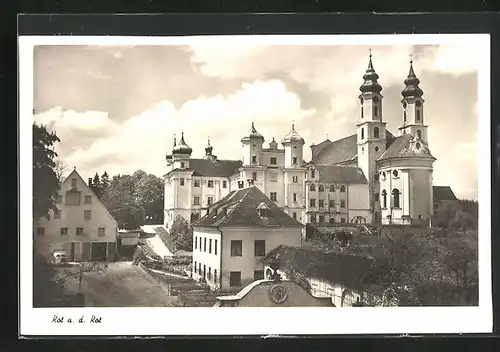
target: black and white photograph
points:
(336, 176)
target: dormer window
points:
(263, 210)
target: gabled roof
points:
(443, 193)
(402, 147)
(240, 208)
(341, 150)
(347, 270)
(340, 174)
(211, 168)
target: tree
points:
(148, 193)
(61, 170)
(181, 234)
(104, 181)
(129, 217)
(45, 179)
(97, 186)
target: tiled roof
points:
(443, 193)
(340, 174)
(402, 146)
(316, 148)
(212, 168)
(347, 270)
(239, 208)
(340, 150)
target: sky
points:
(116, 108)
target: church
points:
(373, 176)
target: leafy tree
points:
(181, 234)
(129, 217)
(45, 179)
(148, 193)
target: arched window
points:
(321, 188)
(375, 111)
(342, 189)
(332, 188)
(419, 134)
(384, 199)
(417, 118)
(395, 198)
(362, 115)
(312, 187)
(362, 133)
(375, 132)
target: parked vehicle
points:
(197, 298)
(58, 257)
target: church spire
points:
(370, 84)
(411, 83)
(208, 148)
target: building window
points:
(254, 176)
(196, 201)
(419, 134)
(332, 203)
(313, 218)
(377, 148)
(87, 200)
(377, 197)
(235, 278)
(376, 177)
(332, 188)
(312, 202)
(294, 215)
(240, 184)
(87, 214)
(294, 196)
(312, 187)
(224, 184)
(362, 133)
(58, 199)
(101, 232)
(209, 273)
(200, 243)
(332, 220)
(273, 161)
(254, 159)
(384, 199)
(274, 177)
(210, 184)
(274, 196)
(64, 231)
(199, 268)
(79, 231)
(215, 247)
(204, 271)
(313, 173)
(182, 165)
(215, 275)
(182, 181)
(342, 203)
(195, 267)
(40, 231)
(395, 173)
(195, 244)
(73, 183)
(259, 248)
(258, 275)
(295, 179)
(375, 111)
(196, 183)
(57, 214)
(376, 132)
(342, 189)
(321, 203)
(417, 116)
(321, 218)
(210, 246)
(294, 161)
(210, 200)
(395, 198)
(236, 248)
(417, 145)
(73, 198)
(321, 188)
(205, 244)
(342, 220)
(362, 115)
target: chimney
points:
(90, 181)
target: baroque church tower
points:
(371, 130)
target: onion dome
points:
(273, 144)
(370, 84)
(293, 136)
(411, 82)
(208, 148)
(182, 147)
(253, 135)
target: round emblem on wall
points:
(278, 293)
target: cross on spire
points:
(370, 51)
(411, 57)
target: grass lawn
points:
(122, 285)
